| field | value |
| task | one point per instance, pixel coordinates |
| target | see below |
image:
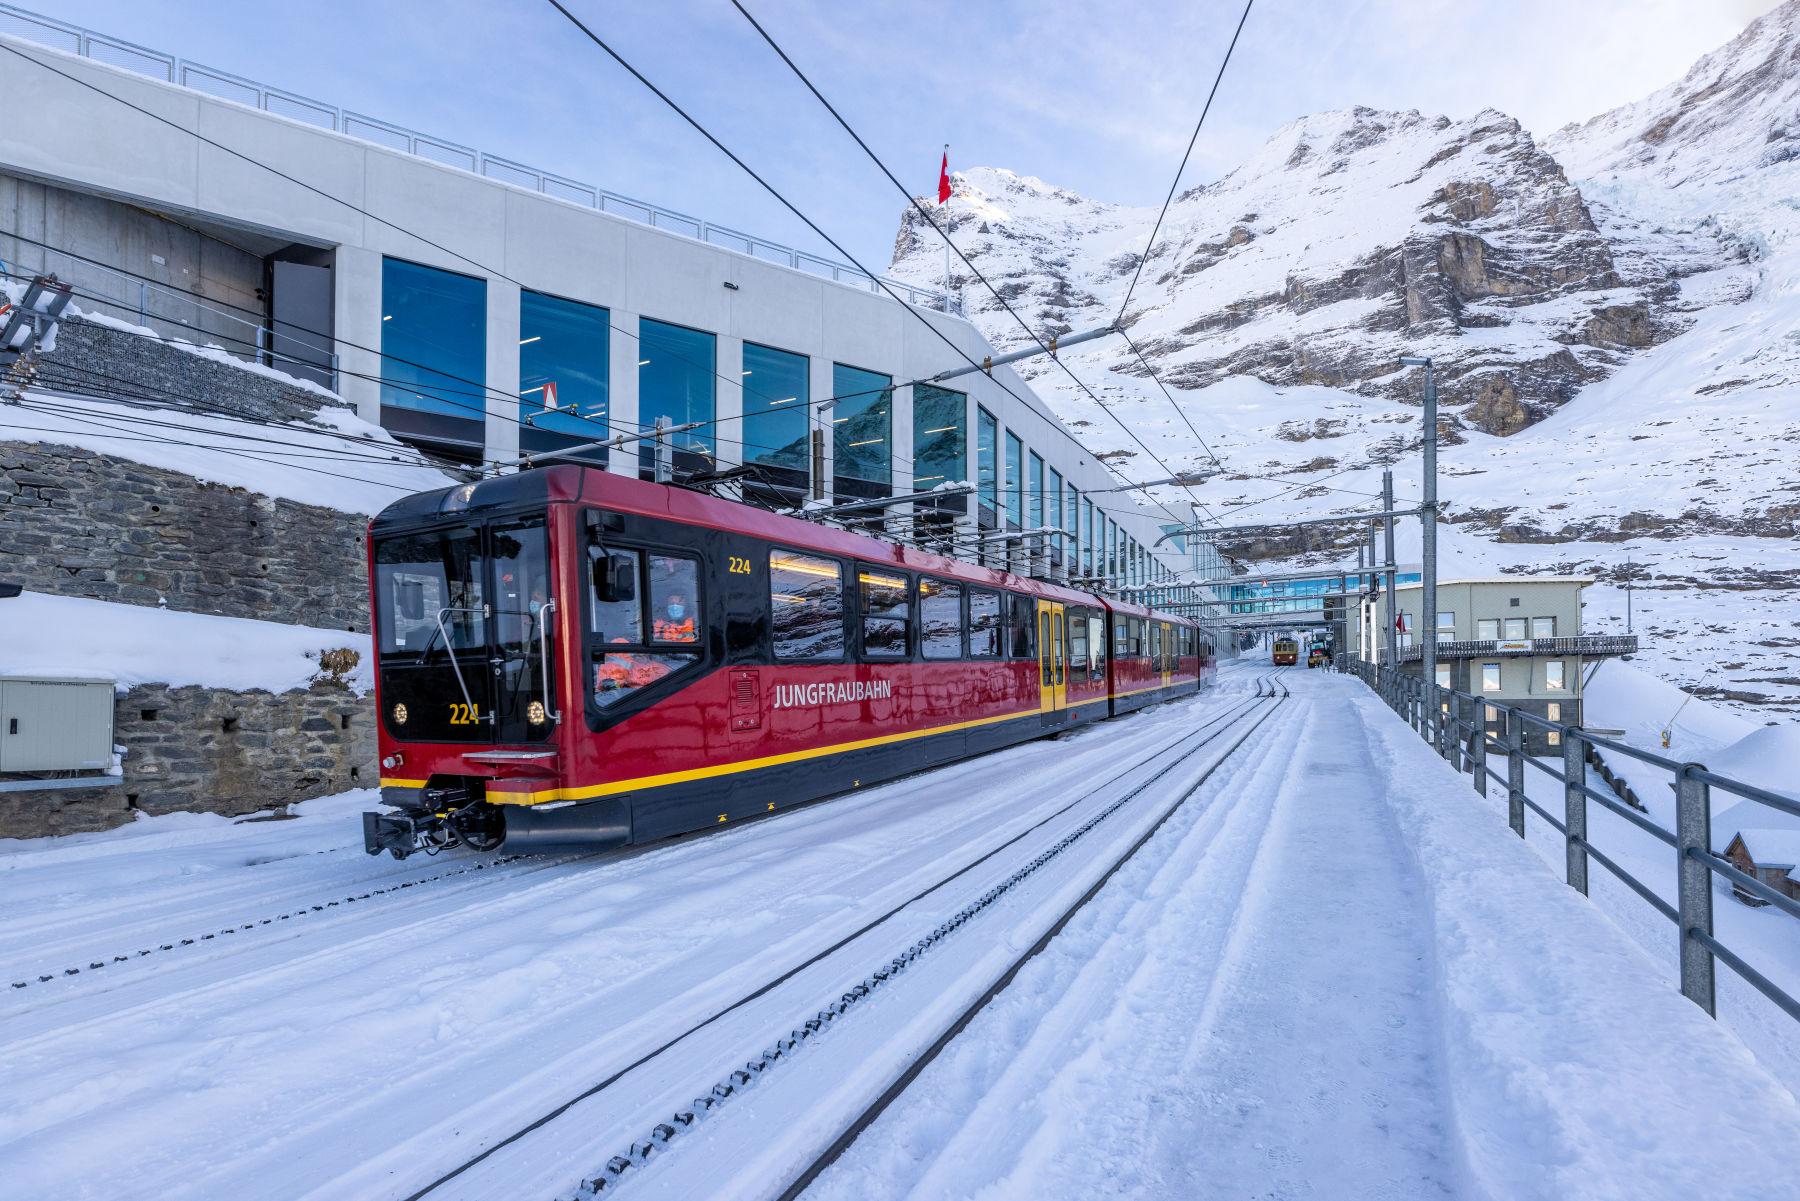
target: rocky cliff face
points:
(1614, 312)
(1350, 239)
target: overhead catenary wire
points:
(500, 274)
(951, 244)
(1175, 183)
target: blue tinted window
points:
(940, 436)
(433, 340)
(1035, 492)
(862, 427)
(1015, 480)
(563, 349)
(777, 394)
(675, 381)
(987, 473)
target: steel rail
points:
(648, 1148)
(901, 1083)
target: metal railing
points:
(1455, 725)
(224, 85)
(1579, 644)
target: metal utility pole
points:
(1392, 638)
(1428, 532)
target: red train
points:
(573, 657)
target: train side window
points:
(620, 617)
(1024, 624)
(806, 605)
(984, 624)
(940, 619)
(1140, 645)
(886, 614)
(1078, 643)
(674, 598)
(1097, 647)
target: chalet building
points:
(1771, 855)
(1511, 640)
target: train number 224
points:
(464, 715)
(738, 565)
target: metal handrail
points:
(224, 85)
(1438, 715)
(1571, 644)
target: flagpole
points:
(946, 234)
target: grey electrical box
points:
(55, 724)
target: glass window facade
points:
(1543, 627)
(1553, 675)
(987, 467)
(940, 437)
(862, 432)
(1015, 481)
(1072, 522)
(1054, 518)
(676, 374)
(1034, 495)
(1487, 629)
(777, 393)
(563, 364)
(1087, 538)
(1490, 677)
(433, 341)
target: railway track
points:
(223, 933)
(1231, 729)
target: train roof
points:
(568, 483)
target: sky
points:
(1099, 101)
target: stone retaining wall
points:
(76, 523)
(213, 750)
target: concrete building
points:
(481, 309)
(1512, 640)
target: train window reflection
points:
(620, 619)
(1097, 647)
(1023, 620)
(618, 674)
(806, 595)
(886, 614)
(940, 619)
(1078, 643)
(984, 624)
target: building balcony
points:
(1586, 645)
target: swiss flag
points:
(944, 179)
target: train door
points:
(1053, 689)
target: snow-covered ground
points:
(339, 461)
(1332, 971)
(135, 644)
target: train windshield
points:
(463, 625)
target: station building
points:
(481, 309)
(1513, 640)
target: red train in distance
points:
(570, 657)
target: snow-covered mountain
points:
(1614, 313)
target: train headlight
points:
(400, 715)
(534, 713)
(393, 761)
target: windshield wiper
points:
(450, 649)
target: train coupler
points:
(393, 832)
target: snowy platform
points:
(1327, 969)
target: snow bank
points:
(1575, 1067)
(1620, 696)
(134, 644)
(333, 467)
